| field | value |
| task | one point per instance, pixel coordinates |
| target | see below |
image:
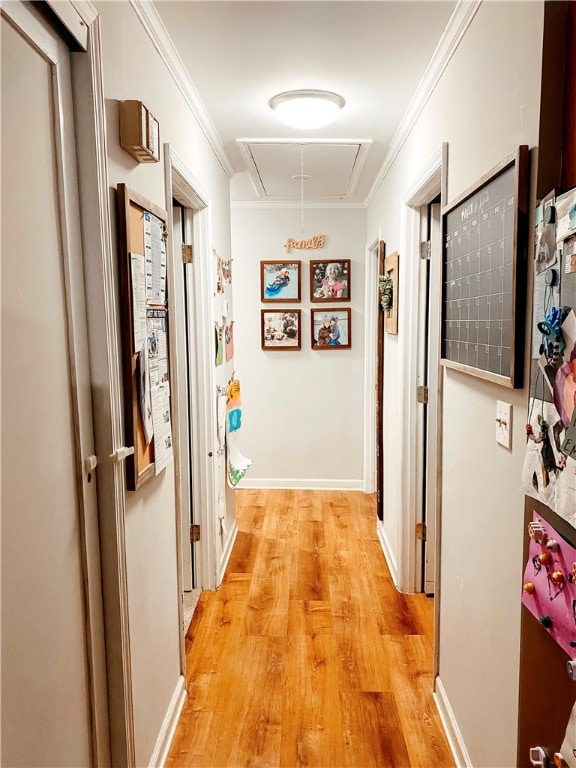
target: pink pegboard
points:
(552, 597)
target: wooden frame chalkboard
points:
(484, 235)
(132, 210)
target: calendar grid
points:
(479, 266)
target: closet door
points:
(52, 648)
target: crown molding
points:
(158, 34)
(455, 30)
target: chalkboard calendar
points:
(483, 265)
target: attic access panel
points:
(334, 168)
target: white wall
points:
(302, 418)
(133, 70)
(486, 104)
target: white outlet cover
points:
(504, 424)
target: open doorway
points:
(420, 386)
(192, 374)
(182, 240)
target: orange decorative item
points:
(545, 558)
(557, 578)
(529, 588)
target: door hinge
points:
(187, 254)
(421, 531)
(426, 250)
(422, 395)
(194, 533)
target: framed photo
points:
(484, 274)
(280, 329)
(331, 328)
(280, 281)
(330, 280)
(390, 294)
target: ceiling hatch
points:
(333, 165)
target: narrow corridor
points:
(307, 655)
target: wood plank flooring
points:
(307, 655)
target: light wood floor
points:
(307, 655)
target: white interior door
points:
(181, 311)
(433, 436)
(52, 642)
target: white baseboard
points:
(301, 484)
(164, 740)
(388, 553)
(225, 556)
(453, 734)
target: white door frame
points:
(425, 186)
(370, 372)
(181, 184)
(100, 269)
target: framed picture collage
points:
(280, 284)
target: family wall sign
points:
(313, 243)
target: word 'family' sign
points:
(313, 243)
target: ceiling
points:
(239, 54)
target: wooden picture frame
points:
(281, 330)
(331, 328)
(280, 281)
(330, 280)
(391, 294)
(484, 237)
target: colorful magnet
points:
(545, 558)
(536, 530)
(557, 577)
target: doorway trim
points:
(99, 271)
(370, 373)
(424, 187)
(181, 184)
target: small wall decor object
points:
(313, 243)
(388, 283)
(280, 281)
(483, 274)
(331, 328)
(537, 531)
(280, 330)
(139, 131)
(330, 280)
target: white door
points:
(182, 311)
(433, 437)
(52, 645)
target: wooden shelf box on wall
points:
(139, 131)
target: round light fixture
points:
(306, 108)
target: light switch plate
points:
(504, 424)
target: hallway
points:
(307, 655)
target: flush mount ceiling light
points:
(306, 108)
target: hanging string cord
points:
(302, 189)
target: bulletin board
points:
(483, 274)
(144, 315)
